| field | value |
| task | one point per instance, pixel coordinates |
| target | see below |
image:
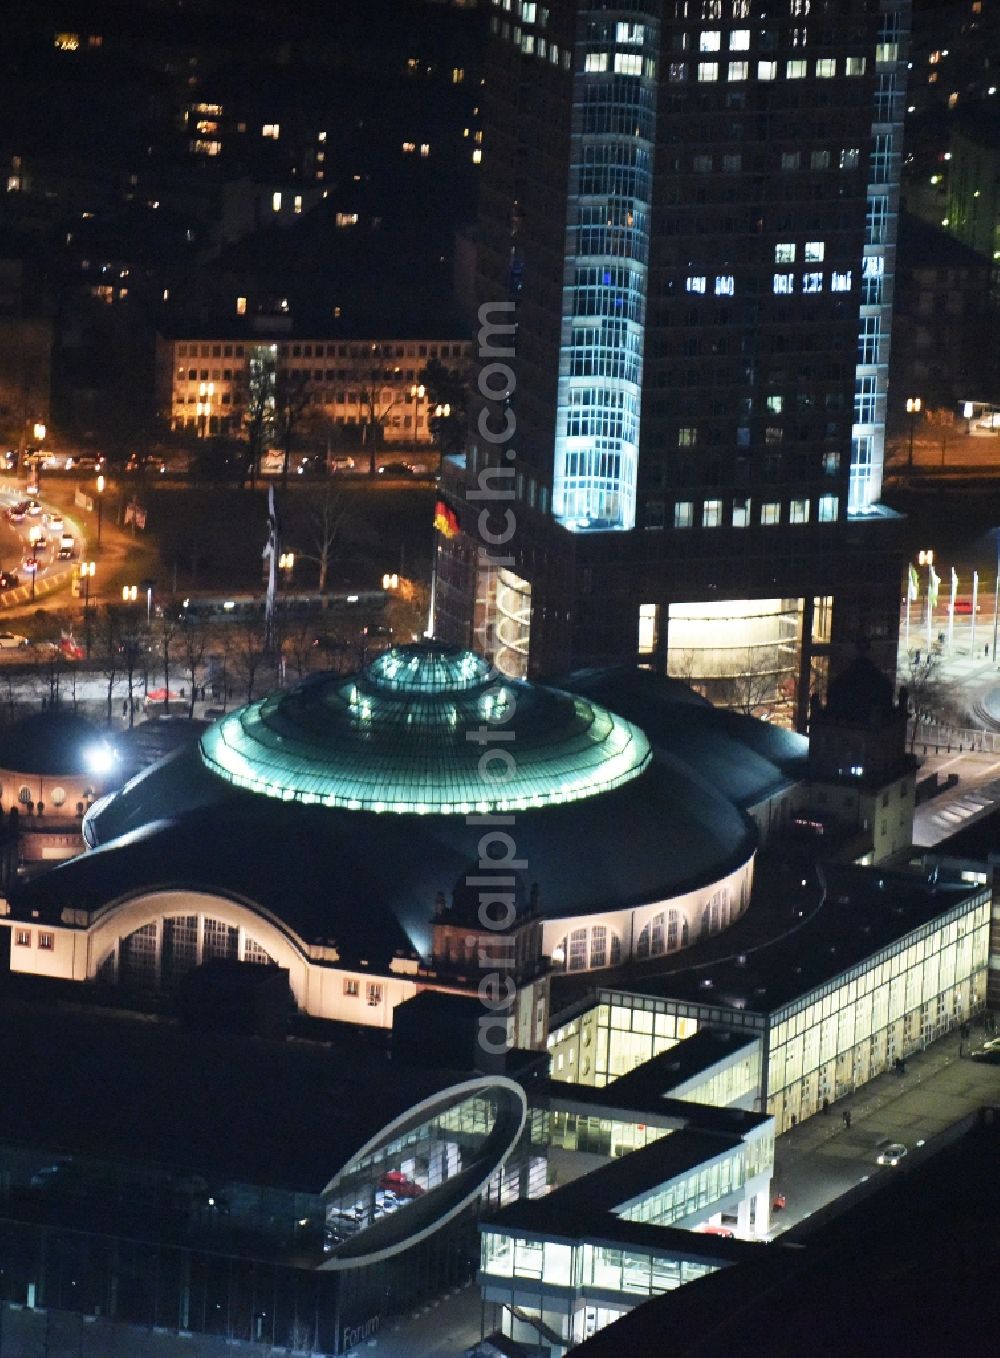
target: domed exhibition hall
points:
(332, 826)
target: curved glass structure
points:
(426, 730)
(421, 1170)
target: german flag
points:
(445, 519)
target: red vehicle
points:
(400, 1184)
(778, 1205)
(724, 1231)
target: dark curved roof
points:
(369, 882)
(738, 756)
(54, 742)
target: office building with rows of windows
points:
(203, 382)
(687, 242)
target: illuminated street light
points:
(130, 593)
(39, 430)
(913, 408)
(100, 507)
(87, 571)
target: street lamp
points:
(87, 569)
(286, 563)
(913, 407)
(39, 430)
(417, 391)
(100, 507)
(926, 558)
(129, 595)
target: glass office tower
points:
(687, 220)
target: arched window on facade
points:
(673, 930)
(161, 952)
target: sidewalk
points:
(821, 1159)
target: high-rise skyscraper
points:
(687, 221)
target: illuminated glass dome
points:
(426, 729)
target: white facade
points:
(152, 938)
(128, 937)
(590, 942)
(202, 384)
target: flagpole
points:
(930, 609)
(951, 610)
(975, 605)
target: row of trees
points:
(279, 408)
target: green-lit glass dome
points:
(429, 730)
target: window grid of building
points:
(610, 194)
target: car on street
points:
(12, 641)
(87, 463)
(67, 553)
(34, 509)
(31, 564)
(889, 1152)
(9, 580)
(395, 469)
(54, 522)
(18, 512)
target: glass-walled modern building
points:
(557, 1269)
(914, 957)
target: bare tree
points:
(109, 650)
(251, 653)
(258, 414)
(447, 404)
(291, 400)
(323, 527)
(168, 625)
(931, 697)
(755, 689)
(192, 643)
(298, 646)
(135, 649)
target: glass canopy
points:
(428, 730)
